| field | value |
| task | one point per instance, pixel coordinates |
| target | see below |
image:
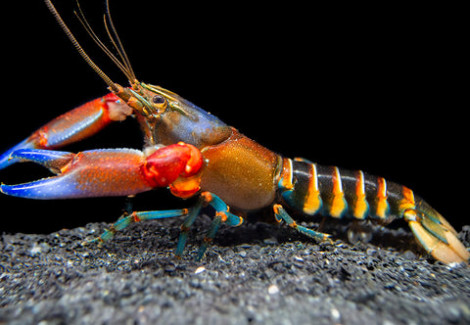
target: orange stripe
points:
(313, 201)
(287, 175)
(360, 206)
(338, 204)
(382, 204)
(408, 201)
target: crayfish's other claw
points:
(437, 236)
(75, 125)
(7, 159)
(93, 173)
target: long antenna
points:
(79, 48)
(118, 44)
(81, 17)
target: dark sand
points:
(254, 274)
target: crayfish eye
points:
(157, 99)
(159, 103)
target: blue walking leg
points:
(222, 215)
(209, 237)
(188, 222)
(126, 220)
(282, 215)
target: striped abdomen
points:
(312, 188)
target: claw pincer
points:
(112, 172)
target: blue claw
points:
(47, 188)
(44, 189)
(7, 159)
(54, 160)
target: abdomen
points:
(329, 190)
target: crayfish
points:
(194, 153)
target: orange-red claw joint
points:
(177, 166)
(112, 172)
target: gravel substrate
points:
(254, 274)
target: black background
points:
(378, 89)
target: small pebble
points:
(273, 289)
(200, 270)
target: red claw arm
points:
(111, 172)
(80, 123)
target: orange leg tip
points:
(206, 196)
(222, 215)
(241, 222)
(207, 240)
(135, 217)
